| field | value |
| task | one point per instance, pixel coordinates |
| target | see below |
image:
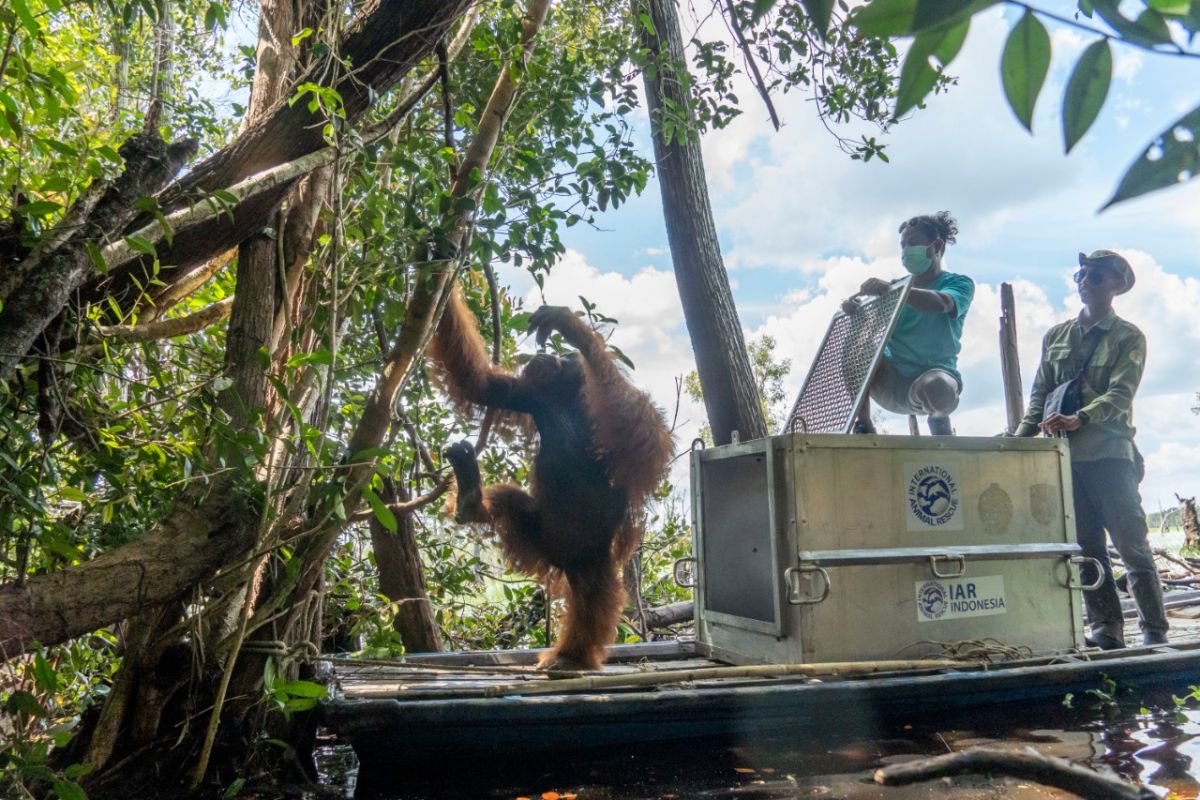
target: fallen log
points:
(1029, 765)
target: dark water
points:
(1146, 740)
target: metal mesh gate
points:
(841, 372)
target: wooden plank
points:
(1010, 360)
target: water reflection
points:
(1158, 745)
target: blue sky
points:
(802, 225)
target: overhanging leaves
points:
(1024, 65)
(1173, 157)
(907, 17)
(820, 12)
(918, 75)
(1086, 91)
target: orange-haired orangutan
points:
(604, 447)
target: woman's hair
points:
(940, 225)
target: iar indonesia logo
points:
(953, 598)
(933, 497)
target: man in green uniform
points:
(1110, 354)
(918, 373)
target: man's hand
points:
(1061, 423)
(872, 286)
(875, 287)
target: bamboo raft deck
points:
(480, 706)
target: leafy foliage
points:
(1166, 27)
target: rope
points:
(988, 650)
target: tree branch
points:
(168, 328)
(409, 506)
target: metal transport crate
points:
(813, 548)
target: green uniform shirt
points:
(1110, 380)
(922, 341)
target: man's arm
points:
(1117, 399)
(930, 301)
(1037, 397)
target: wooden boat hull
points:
(393, 732)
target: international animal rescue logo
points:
(932, 497)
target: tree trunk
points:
(190, 544)
(402, 580)
(730, 396)
(42, 290)
(1191, 522)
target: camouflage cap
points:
(1110, 260)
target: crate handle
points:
(684, 572)
(794, 596)
(1081, 560)
(948, 558)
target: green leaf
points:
(1173, 157)
(1024, 65)
(1154, 26)
(820, 12)
(44, 674)
(918, 76)
(141, 245)
(315, 357)
(97, 256)
(906, 17)
(23, 702)
(761, 7)
(299, 704)
(305, 689)
(1174, 7)
(1149, 30)
(38, 208)
(27, 19)
(1086, 91)
(382, 513)
(885, 17)
(940, 14)
(69, 790)
(71, 493)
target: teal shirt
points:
(923, 341)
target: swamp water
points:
(1148, 740)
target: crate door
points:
(736, 544)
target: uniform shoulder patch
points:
(1137, 356)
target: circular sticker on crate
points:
(932, 498)
(931, 600)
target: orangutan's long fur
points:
(604, 448)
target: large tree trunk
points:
(730, 396)
(402, 580)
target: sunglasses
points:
(1095, 276)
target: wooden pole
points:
(630, 680)
(1010, 361)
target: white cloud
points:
(1162, 304)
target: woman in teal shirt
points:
(918, 373)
